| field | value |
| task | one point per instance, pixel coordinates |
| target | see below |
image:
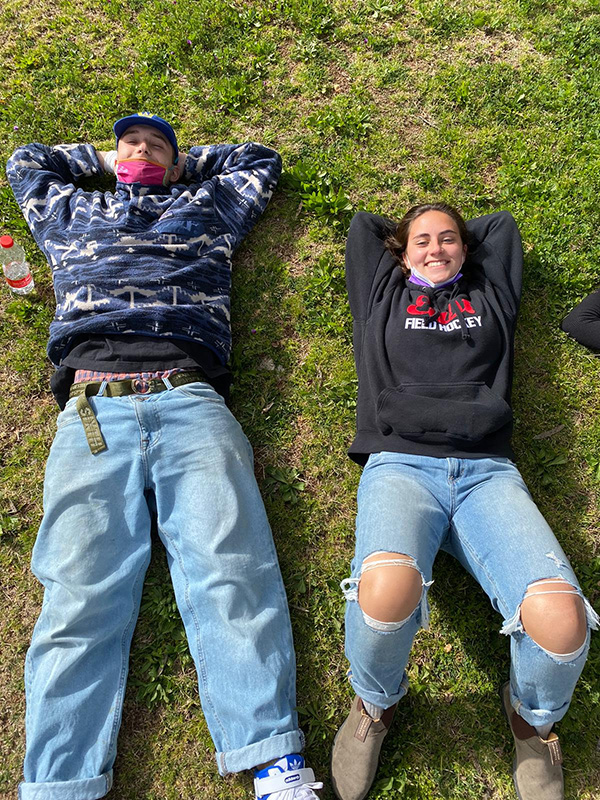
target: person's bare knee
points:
(553, 615)
(389, 592)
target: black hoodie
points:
(434, 365)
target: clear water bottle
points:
(15, 267)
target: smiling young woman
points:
(430, 238)
(434, 303)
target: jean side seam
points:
(291, 688)
(125, 657)
(28, 684)
(201, 665)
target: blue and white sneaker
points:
(287, 779)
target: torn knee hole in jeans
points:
(514, 625)
(349, 587)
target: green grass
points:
(373, 104)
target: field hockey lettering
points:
(446, 320)
(454, 325)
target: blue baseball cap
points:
(154, 121)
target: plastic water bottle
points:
(15, 267)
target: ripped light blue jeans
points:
(181, 455)
(481, 512)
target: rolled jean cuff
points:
(378, 698)
(260, 752)
(84, 789)
(570, 670)
(537, 717)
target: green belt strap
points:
(126, 387)
(90, 423)
(118, 389)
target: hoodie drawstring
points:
(433, 295)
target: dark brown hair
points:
(396, 242)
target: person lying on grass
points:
(141, 341)
(434, 303)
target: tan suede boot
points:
(537, 768)
(355, 753)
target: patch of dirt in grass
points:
(489, 177)
(281, 244)
(506, 48)
(38, 21)
(307, 252)
(281, 234)
(474, 49)
(33, 17)
(263, 455)
(21, 597)
(339, 76)
(304, 436)
(296, 266)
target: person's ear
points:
(464, 254)
(174, 173)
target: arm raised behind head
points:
(496, 248)
(583, 322)
(43, 181)
(243, 178)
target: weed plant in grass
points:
(375, 104)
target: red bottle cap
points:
(6, 241)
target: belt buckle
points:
(140, 386)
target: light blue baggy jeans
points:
(183, 453)
(481, 512)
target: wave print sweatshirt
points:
(147, 260)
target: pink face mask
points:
(148, 173)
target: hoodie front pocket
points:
(441, 412)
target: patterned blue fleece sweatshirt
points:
(142, 259)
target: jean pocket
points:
(68, 415)
(200, 390)
(442, 412)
